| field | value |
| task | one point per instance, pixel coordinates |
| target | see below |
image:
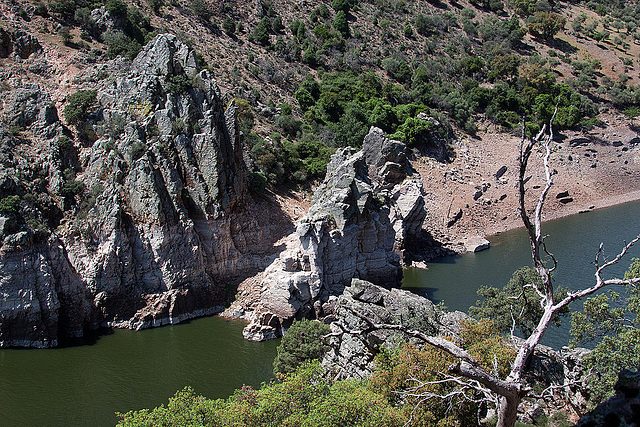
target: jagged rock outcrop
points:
(352, 351)
(368, 206)
(18, 42)
(351, 354)
(149, 206)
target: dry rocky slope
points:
(168, 229)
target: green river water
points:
(84, 385)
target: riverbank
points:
(476, 194)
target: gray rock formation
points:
(150, 209)
(353, 345)
(368, 206)
(24, 44)
(351, 354)
(18, 42)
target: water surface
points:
(573, 240)
(85, 385)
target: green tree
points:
(341, 5)
(302, 343)
(304, 98)
(117, 8)
(260, 34)
(79, 105)
(341, 24)
(516, 304)
(612, 320)
(546, 25)
(229, 25)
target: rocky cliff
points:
(138, 218)
(351, 354)
(361, 219)
(353, 346)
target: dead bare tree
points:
(512, 389)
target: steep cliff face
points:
(149, 209)
(357, 227)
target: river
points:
(573, 240)
(84, 385)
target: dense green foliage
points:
(517, 302)
(613, 321)
(303, 399)
(301, 344)
(10, 205)
(79, 106)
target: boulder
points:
(500, 172)
(351, 353)
(476, 244)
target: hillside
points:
(308, 78)
(139, 138)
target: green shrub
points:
(229, 26)
(341, 5)
(137, 150)
(303, 399)
(118, 43)
(201, 10)
(79, 105)
(117, 8)
(156, 5)
(178, 84)
(257, 182)
(41, 9)
(10, 205)
(260, 34)
(65, 8)
(276, 24)
(304, 98)
(302, 343)
(398, 69)
(411, 130)
(72, 188)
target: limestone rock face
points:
(24, 44)
(369, 204)
(150, 209)
(351, 355)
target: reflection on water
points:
(127, 370)
(573, 241)
(85, 385)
